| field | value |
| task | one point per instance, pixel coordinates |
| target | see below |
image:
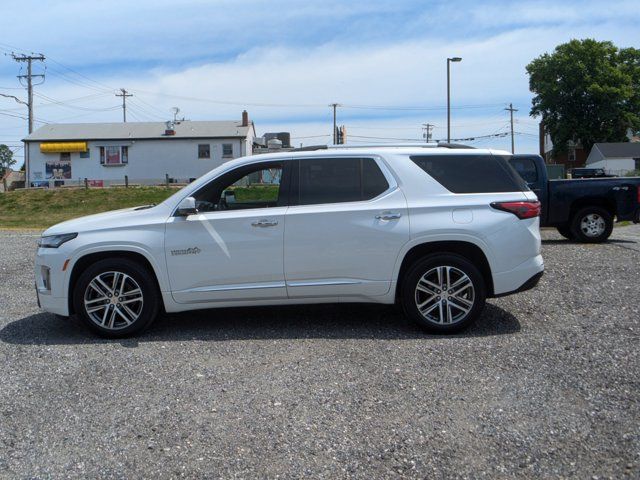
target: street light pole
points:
(449, 60)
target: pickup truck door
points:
(626, 197)
(528, 169)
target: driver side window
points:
(251, 186)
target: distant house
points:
(146, 152)
(13, 179)
(574, 156)
(617, 158)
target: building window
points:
(227, 150)
(636, 164)
(114, 155)
(204, 150)
(65, 157)
(85, 154)
(572, 155)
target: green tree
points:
(586, 91)
(6, 162)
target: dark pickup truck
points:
(582, 210)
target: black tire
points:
(565, 231)
(411, 296)
(147, 309)
(595, 229)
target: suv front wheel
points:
(116, 297)
(444, 293)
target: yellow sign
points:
(63, 147)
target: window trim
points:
(102, 154)
(294, 190)
(208, 157)
(229, 155)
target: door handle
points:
(264, 223)
(388, 216)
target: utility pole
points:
(427, 127)
(124, 96)
(335, 131)
(29, 77)
(449, 60)
(511, 110)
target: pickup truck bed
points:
(581, 209)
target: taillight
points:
(638, 194)
(522, 210)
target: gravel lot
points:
(545, 385)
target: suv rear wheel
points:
(592, 225)
(444, 293)
(116, 297)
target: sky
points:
(285, 61)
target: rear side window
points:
(338, 180)
(471, 173)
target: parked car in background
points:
(589, 173)
(582, 210)
(437, 230)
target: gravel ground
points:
(546, 385)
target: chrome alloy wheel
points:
(592, 225)
(113, 300)
(444, 295)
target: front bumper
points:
(51, 292)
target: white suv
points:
(436, 229)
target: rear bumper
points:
(528, 285)
(515, 280)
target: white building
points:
(617, 158)
(145, 152)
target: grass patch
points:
(43, 208)
(256, 193)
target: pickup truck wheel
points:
(443, 293)
(592, 225)
(116, 298)
(566, 232)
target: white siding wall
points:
(614, 166)
(149, 161)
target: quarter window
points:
(338, 180)
(471, 173)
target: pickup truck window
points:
(471, 173)
(526, 167)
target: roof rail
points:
(454, 145)
(312, 148)
(309, 148)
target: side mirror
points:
(187, 207)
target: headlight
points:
(54, 241)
